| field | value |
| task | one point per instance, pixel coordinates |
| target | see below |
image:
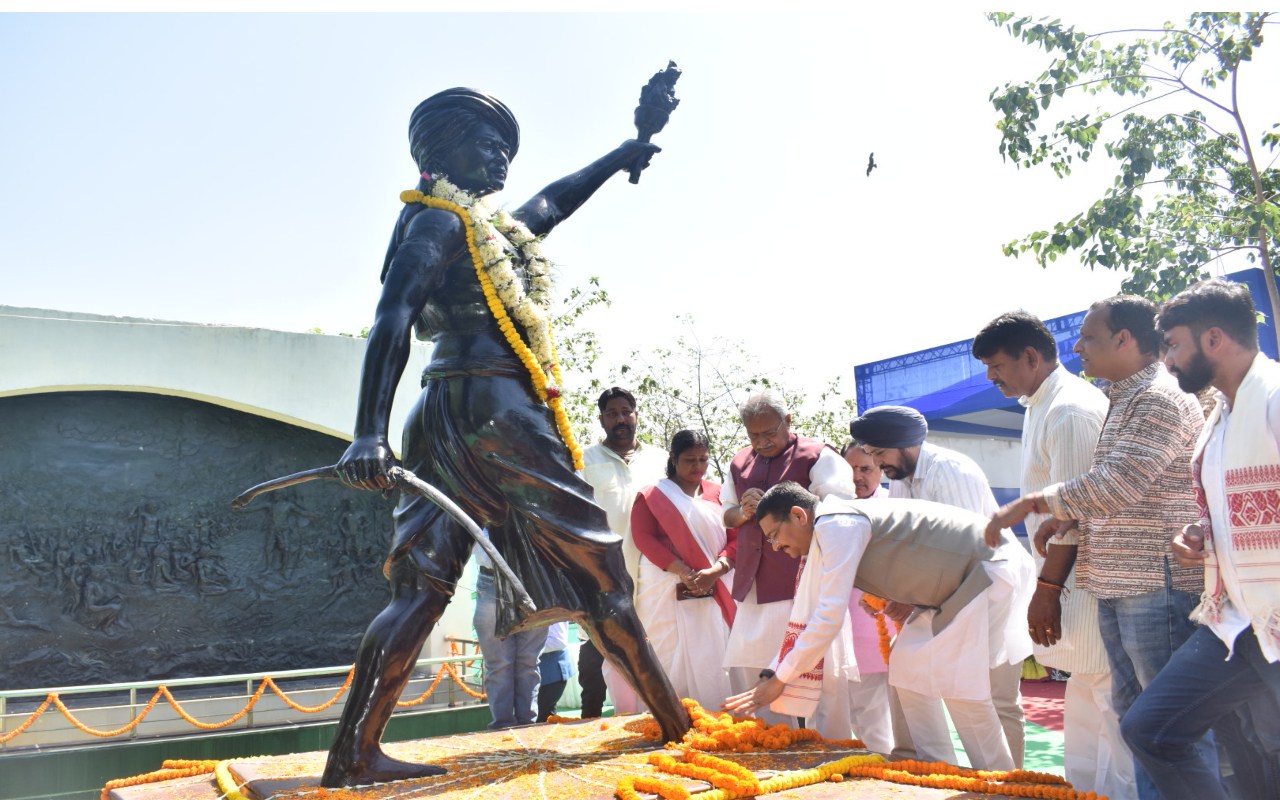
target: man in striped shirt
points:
(1136, 495)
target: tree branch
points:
(1206, 97)
(1215, 132)
(1249, 200)
(1209, 45)
(1065, 89)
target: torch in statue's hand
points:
(657, 101)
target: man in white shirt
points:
(894, 437)
(868, 696)
(617, 467)
(1233, 660)
(918, 470)
(1063, 419)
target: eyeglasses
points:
(755, 437)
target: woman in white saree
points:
(684, 602)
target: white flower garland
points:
(498, 235)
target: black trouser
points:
(591, 679)
(548, 697)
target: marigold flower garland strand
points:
(726, 733)
(226, 783)
(267, 682)
(938, 775)
(503, 292)
(879, 603)
(169, 770)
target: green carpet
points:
(1043, 749)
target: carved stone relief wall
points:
(121, 558)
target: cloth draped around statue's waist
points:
(474, 353)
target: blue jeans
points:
(510, 665)
(1140, 633)
(1196, 691)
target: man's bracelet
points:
(1059, 586)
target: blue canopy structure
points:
(949, 386)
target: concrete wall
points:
(1000, 459)
(304, 379)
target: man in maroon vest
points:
(764, 581)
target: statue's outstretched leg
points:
(384, 664)
(615, 628)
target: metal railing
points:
(117, 714)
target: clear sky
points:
(244, 169)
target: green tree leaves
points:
(1189, 185)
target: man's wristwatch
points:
(766, 674)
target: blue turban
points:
(889, 427)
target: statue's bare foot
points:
(374, 768)
(674, 726)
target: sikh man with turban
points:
(894, 436)
(480, 433)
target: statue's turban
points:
(434, 117)
(889, 427)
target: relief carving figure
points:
(107, 580)
(279, 545)
(147, 531)
(484, 429)
(211, 577)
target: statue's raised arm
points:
(557, 201)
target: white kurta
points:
(1064, 418)
(821, 610)
(614, 482)
(945, 476)
(990, 630)
(689, 636)
(758, 628)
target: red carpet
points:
(1042, 702)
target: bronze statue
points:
(480, 433)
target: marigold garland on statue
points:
(492, 240)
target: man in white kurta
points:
(869, 695)
(918, 470)
(1064, 416)
(617, 467)
(921, 553)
